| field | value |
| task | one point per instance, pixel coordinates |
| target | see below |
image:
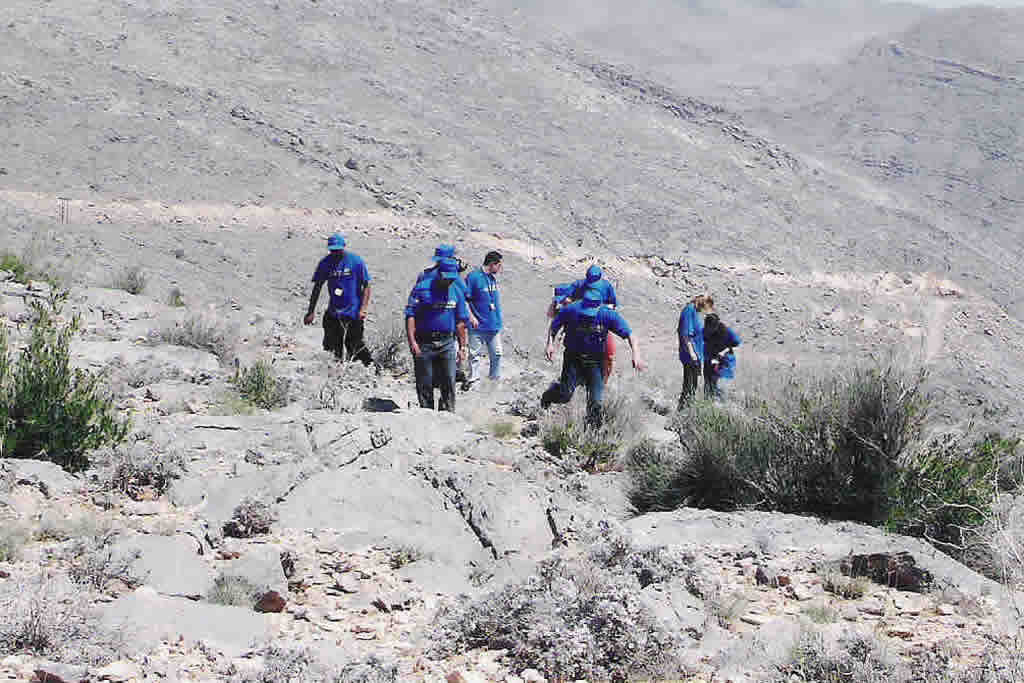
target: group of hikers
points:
(451, 320)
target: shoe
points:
(468, 383)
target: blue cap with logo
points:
(444, 251)
(593, 274)
(335, 242)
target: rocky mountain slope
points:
(211, 146)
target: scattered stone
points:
(755, 619)
(346, 583)
(271, 602)
(118, 672)
(895, 570)
(946, 610)
(532, 676)
(53, 672)
(873, 607)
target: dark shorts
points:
(344, 338)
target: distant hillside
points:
(934, 113)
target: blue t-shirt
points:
(588, 333)
(602, 286)
(691, 326)
(483, 299)
(346, 277)
(435, 310)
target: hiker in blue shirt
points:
(574, 292)
(691, 343)
(446, 251)
(435, 318)
(719, 353)
(485, 305)
(587, 324)
(348, 284)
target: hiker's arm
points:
(313, 297)
(410, 335)
(634, 349)
(364, 306)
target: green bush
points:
(233, 591)
(828, 447)
(12, 264)
(565, 433)
(47, 408)
(260, 385)
(946, 489)
(199, 332)
(131, 280)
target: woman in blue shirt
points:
(691, 343)
(719, 354)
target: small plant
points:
(259, 385)
(855, 658)
(10, 262)
(727, 609)
(504, 429)
(138, 475)
(404, 555)
(12, 539)
(565, 433)
(49, 409)
(94, 562)
(846, 587)
(390, 350)
(175, 298)
(131, 279)
(199, 332)
(233, 591)
(288, 663)
(44, 616)
(820, 614)
(250, 518)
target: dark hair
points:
(492, 257)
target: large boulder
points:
(170, 565)
(144, 619)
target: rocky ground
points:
(344, 521)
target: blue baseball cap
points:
(335, 242)
(448, 268)
(444, 251)
(593, 274)
(592, 301)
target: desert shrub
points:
(13, 538)
(134, 473)
(565, 433)
(92, 561)
(44, 616)
(846, 587)
(176, 298)
(390, 350)
(259, 385)
(302, 664)
(945, 491)
(577, 617)
(503, 429)
(199, 332)
(250, 518)
(233, 591)
(10, 262)
(855, 658)
(48, 409)
(829, 447)
(131, 279)
(820, 614)
(404, 555)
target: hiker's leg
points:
(332, 335)
(423, 364)
(592, 367)
(562, 390)
(690, 374)
(355, 342)
(494, 351)
(444, 375)
(476, 348)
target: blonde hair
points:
(702, 301)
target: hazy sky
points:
(958, 3)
